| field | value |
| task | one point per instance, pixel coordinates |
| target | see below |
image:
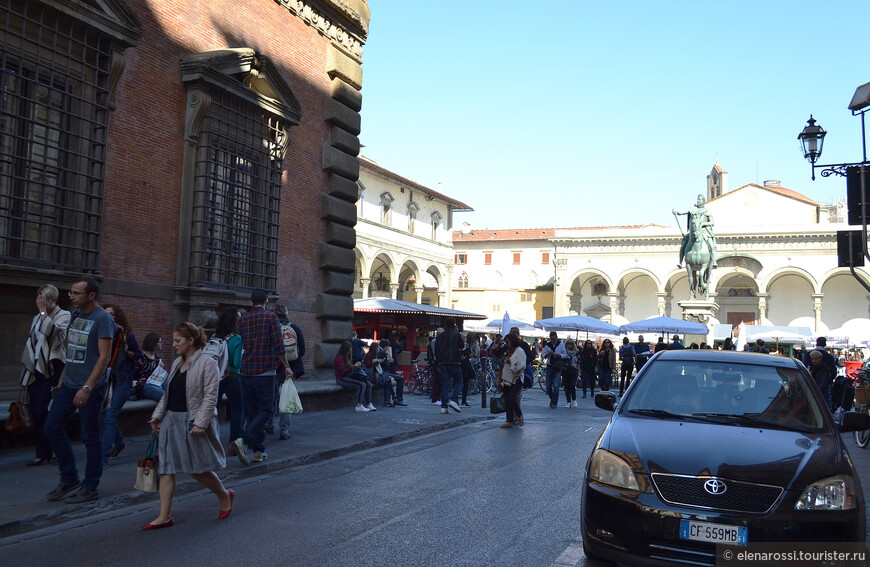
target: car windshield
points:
(733, 394)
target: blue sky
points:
(574, 113)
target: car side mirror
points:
(850, 421)
(605, 400)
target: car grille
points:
(683, 553)
(739, 496)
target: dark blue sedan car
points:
(710, 447)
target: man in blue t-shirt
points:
(82, 386)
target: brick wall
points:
(140, 224)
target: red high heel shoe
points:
(226, 513)
(167, 524)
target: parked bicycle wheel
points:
(862, 403)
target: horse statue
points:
(699, 261)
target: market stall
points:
(412, 324)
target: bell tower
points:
(717, 182)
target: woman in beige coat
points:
(512, 380)
(186, 420)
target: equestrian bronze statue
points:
(698, 248)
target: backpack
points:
(217, 349)
(291, 350)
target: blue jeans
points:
(40, 396)
(152, 392)
(232, 387)
(283, 418)
(825, 387)
(604, 378)
(89, 417)
(554, 382)
(111, 432)
(259, 394)
(451, 383)
(391, 393)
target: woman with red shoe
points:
(186, 422)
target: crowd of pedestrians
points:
(88, 360)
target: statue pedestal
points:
(700, 311)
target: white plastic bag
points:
(289, 401)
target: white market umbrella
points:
(779, 336)
(665, 325)
(576, 323)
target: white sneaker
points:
(436, 403)
(372, 407)
(574, 403)
(568, 405)
(362, 409)
(454, 406)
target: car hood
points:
(768, 456)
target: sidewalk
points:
(314, 436)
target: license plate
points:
(714, 533)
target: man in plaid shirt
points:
(263, 355)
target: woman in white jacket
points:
(512, 381)
(186, 420)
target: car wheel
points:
(589, 554)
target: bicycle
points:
(420, 379)
(490, 376)
(474, 383)
(862, 404)
(540, 377)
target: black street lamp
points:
(851, 245)
(812, 138)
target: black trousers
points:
(569, 380)
(625, 376)
(511, 403)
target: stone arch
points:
(360, 272)
(382, 272)
(435, 282)
(789, 294)
(589, 288)
(737, 296)
(409, 277)
(764, 286)
(637, 288)
(843, 298)
(676, 289)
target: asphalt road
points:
(476, 495)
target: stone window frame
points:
(254, 81)
(386, 203)
(53, 167)
(413, 209)
(436, 221)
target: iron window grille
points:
(237, 193)
(54, 91)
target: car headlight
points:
(608, 468)
(834, 493)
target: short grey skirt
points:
(181, 452)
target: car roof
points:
(728, 357)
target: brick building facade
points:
(183, 153)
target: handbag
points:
(20, 415)
(289, 401)
(496, 404)
(146, 472)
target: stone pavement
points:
(314, 436)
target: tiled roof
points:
(773, 189)
(370, 165)
(508, 234)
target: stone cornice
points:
(401, 234)
(344, 22)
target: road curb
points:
(132, 498)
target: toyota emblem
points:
(715, 487)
